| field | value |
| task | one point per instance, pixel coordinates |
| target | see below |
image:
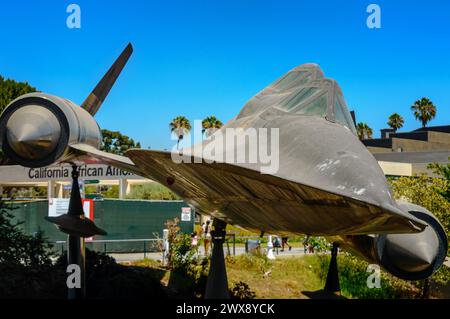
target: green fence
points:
(122, 219)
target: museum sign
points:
(62, 173)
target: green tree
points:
(17, 248)
(10, 90)
(442, 170)
(112, 192)
(180, 126)
(424, 110)
(210, 124)
(117, 143)
(395, 121)
(153, 191)
(427, 192)
(364, 131)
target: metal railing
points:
(230, 244)
(233, 236)
(144, 241)
(63, 243)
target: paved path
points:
(129, 257)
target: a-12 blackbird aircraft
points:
(327, 182)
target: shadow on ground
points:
(321, 294)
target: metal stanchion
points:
(332, 283)
(77, 227)
(234, 244)
(217, 282)
(145, 249)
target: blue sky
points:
(199, 58)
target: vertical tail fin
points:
(353, 117)
(98, 95)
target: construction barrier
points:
(122, 219)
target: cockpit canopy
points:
(303, 90)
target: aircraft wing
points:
(255, 201)
(90, 155)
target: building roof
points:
(414, 157)
(422, 139)
(442, 128)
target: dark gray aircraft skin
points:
(327, 182)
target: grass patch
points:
(290, 277)
(284, 278)
(269, 279)
(353, 279)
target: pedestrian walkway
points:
(130, 257)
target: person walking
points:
(206, 234)
(194, 242)
(305, 245)
(284, 242)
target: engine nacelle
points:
(37, 129)
(414, 256)
(407, 256)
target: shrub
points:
(241, 291)
(353, 279)
(188, 271)
(180, 254)
(259, 262)
(18, 248)
(425, 191)
(27, 270)
(107, 279)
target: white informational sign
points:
(59, 206)
(87, 208)
(185, 214)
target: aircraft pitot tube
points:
(413, 256)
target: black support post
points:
(217, 282)
(77, 227)
(332, 283)
(76, 256)
(75, 244)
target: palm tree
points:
(395, 121)
(210, 124)
(364, 131)
(180, 126)
(424, 110)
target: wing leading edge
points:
(91, 155)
